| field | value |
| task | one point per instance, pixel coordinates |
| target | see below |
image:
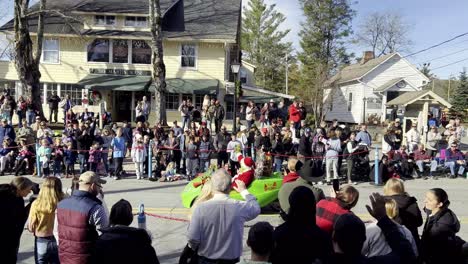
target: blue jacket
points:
(451, 156)
(7, 131)
(118, 144)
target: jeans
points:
(20, 118)
(204, 165)
(118, 166)
(349, 165)
(185, 120)
(278, 163)
(250, 123)
(30, 116)
(420, 164)
(57, 167)
(222, 158)
(46, 250)
(332, 164)
(192, 168)
(234, 166)
(139, 169)
(104, 157)
(82, 157)
(454, 166)
(53, 113)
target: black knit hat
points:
(350, 233)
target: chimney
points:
(367, 56)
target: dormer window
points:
(135, 22)
(104, 20)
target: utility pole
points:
(448, 91)
(287, 74)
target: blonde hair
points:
(391, 207)
(394, 186)
(206, 194)
(292, 162)
(348, 195)
(170, 166)
(49, 196)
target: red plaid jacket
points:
(328, 210)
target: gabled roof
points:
(411, 97)
(357, 71)
(202, 19)
(388, 84)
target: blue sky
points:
(431, 22)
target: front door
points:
(123, 106)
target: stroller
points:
(361, 169)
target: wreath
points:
(95, 97)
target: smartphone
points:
(336, 185)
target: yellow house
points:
(103, 53)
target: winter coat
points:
(138, 152)
(221, 141)
(294, 114)
(70, 156)
(288, 187)
(439, 243)
(300, 244)
(409, 213)
(305, 146)
(205, 150)
(94, 156)
(11, 223)
(115, 243)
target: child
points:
(5, 156)
(192, 159)
(94, 156)
(58, 157)
(169, 174)
(138, 154)
(44, 153)
(70, 159)
(22, 160)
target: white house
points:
(360, 92)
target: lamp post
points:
(235, 67)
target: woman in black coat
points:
(439, 242)
(14, 216)
(121, 243)
(299, 240)
(409, 213)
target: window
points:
(98, 50)
(172, 101)
(188, 56)
(350, 101)
(141, 52)
(243, 76)
(74, 91)
(135, 22)
(374, 103)
(229, 110)
(50, 51)
(120, 51)
(104, 20)
(51, 88)
(199, 101)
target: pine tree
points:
(262, 44)
(327, 25)
(460, 97)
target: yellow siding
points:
(73, 65)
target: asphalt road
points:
(163, 199)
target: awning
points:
(192, 86)
(419, 97)
(115, 82)
(388, 85)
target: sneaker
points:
(116, 178)
(320, 183)
(453, 177)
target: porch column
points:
(425, 113)
(384, 107)
(132, 117)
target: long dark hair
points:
(441, 196)
(302, 206)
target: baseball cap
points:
(91, 177)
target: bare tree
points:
(159, 68)
(384, 33)
(27, 57)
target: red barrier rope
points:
(167, 218)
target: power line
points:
(443, 56)
(437, 45)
